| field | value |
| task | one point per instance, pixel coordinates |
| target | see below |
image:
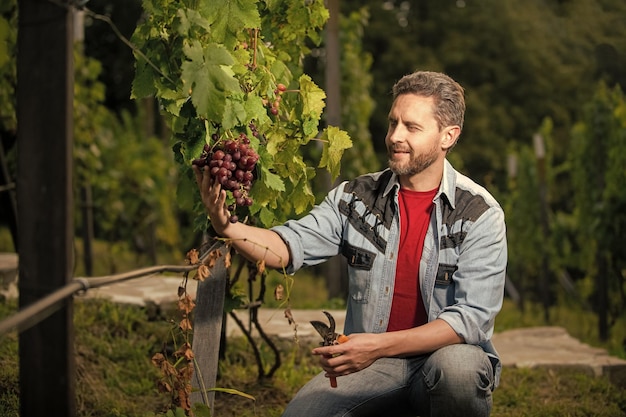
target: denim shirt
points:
(463, 264)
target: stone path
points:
(524, 347)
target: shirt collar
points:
(446, 188)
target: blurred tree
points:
(532, 248)
(103, 44)
(8, 116)
(520, 62)
(598, 161)
(131, 175)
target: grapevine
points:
(236, 68)
(229, 81)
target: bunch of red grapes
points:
(231, 162)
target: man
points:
(426, 249)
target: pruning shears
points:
(329, 337)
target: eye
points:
(414, 128)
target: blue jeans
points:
(456, 380)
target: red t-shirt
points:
(407, 309)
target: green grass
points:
(562, 393)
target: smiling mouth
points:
(399, 152)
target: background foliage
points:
(548, 67)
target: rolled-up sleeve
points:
(315, 237)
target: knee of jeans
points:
(460, 366)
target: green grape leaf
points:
(143, 83)
(281, 72)
(275, 140)
(336, 141)
(309, 127)
(266, 216)
(208, 76)
(189, 18)
(173, 101)
(256, 110)
(312, 97)
(234, 112)
(229, 17)
(302, 196)
(271, 180)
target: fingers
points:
(331, 364)
(198, 173)
(209, 189)
(332, 350)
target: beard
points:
(415, 164)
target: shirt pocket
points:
(444, 284)
(444, 275)
(360, 263)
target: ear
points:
(449, 137)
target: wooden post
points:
(207, 328)
(335, 269)
(544, 276)
(45, 77)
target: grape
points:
(218, 155)
(232, 163)
(199, 162)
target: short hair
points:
(448, 94)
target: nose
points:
(394, 134)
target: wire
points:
(48, 305)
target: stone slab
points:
(554, 347)
(8, 275)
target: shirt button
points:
(387, 290)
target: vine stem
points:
(255, 37)
(117, 32)
(267, 248)
(203, 388)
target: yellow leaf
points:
(186, 304)
(279, 292)
(260, 266)
(185, 325)
(202, 273)
(192, 256)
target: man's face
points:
(414, 141)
